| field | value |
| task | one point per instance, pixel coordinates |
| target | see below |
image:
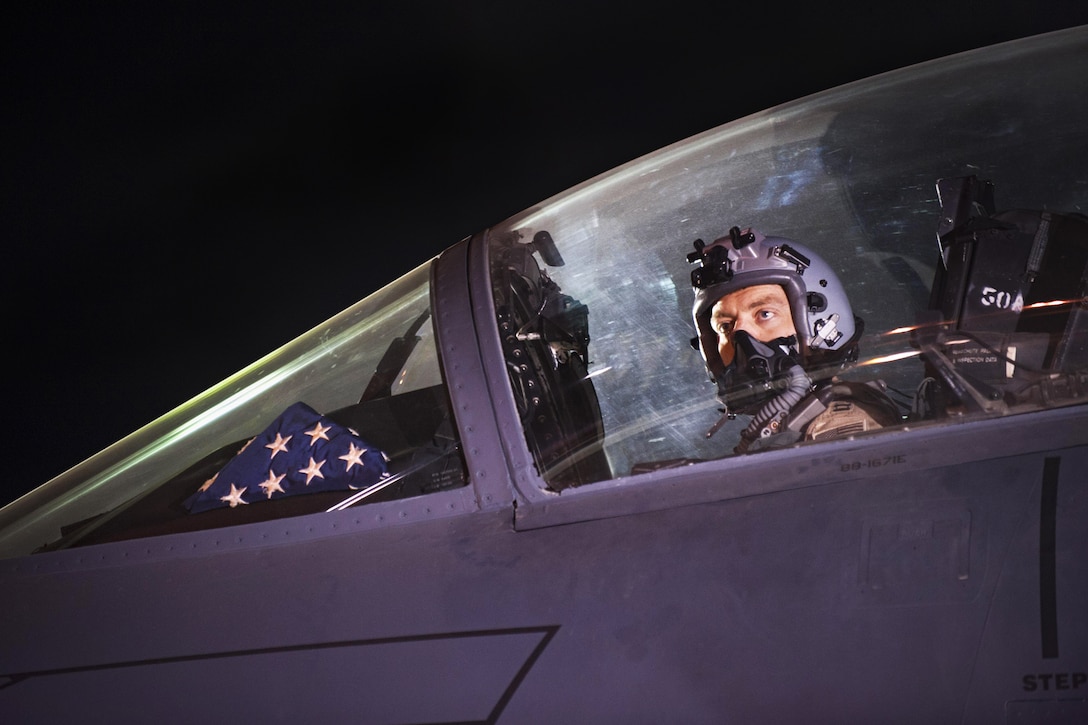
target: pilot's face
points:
(763, 311)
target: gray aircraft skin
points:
(555, 538)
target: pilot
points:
(775, 330)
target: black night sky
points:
(169, 166)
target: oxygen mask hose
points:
(770, 363)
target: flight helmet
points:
(827, 330)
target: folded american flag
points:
(301, 452)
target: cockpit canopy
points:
(949, 198)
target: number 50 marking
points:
(992, 297)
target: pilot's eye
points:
(765, 314)
(725, 327)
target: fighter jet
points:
(544, 477)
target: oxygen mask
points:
(759, 370)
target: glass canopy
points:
(852, 174)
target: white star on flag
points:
(235, 496)
(314, 469)
(318, 431)
(280, 444)
(272, 483)
(354, 456)
(209, 482)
